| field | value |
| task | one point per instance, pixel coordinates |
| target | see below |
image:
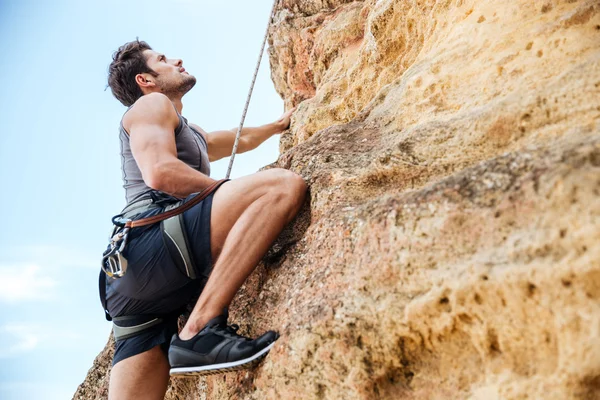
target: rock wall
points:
(450, 247)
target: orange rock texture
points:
(450, 248)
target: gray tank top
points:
(192, 149)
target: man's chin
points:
(189, 82)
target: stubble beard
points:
(180, 88)
(189, 81)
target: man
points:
(166, 158)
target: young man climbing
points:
(165, 158)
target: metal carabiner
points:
(109, 264)
(124, 235)
(114, 264)
(119, 221)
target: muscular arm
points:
(151, 124)
(220, 143)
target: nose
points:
(179, 62)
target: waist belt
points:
(138, 207)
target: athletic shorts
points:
(153, 285)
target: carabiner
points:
(114, 264)
(119, 221)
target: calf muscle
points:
(143, 376)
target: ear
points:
(145, 81)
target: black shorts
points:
(153, 285)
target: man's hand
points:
(284, 121)
(220, 143)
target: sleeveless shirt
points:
(192, 149)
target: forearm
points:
(178, 179)
(254, 136)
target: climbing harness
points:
(114, 263)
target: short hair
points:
(128, 61)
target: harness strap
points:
(177, 210)
(173, 231)
(102, 290)
(128, 326)
(138, 207)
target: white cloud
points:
(33, 272)
(57, 256)
(23, 337)
(25, 282)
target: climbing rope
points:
(239, 131)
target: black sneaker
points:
(217, 348)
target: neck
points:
(175, 99)
(178, 104)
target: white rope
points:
(239, 131)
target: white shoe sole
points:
(221, 368)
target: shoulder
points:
(152, 108)
(199, 130)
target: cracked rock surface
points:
(450, 245)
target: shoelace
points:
(231, 332)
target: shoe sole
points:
(221, 368)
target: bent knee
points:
(289, 183)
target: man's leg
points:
(247, 216)
(143, 376)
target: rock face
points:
(450, 248)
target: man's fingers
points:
(286, 119)
(289, 112)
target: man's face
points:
(172, 77)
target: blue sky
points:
(60, 165)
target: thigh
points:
(143, 376)
(235, 196)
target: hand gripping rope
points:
(239, 131)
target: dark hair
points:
(127, 62)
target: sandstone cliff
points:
(450, 248)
